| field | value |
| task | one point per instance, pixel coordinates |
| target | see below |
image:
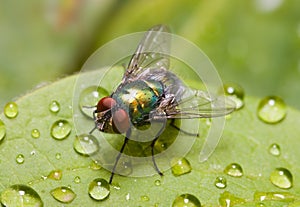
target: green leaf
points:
(245, 141)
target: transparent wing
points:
(198, 104)
(150, 53)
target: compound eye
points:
(105, 104)
(120, 121)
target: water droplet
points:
(157, 182)
(63, 194)
(185, 200)
(99, 189)
(32, 152)
(2, 130)
(221, 182)
(282, 178)
(274, 149)
(60, 129)
(127, 197)
(235, 93)
(145, 198)
(274, 196)
(20, 159)
(11, 110)
(260, 205)
(55, 175)
(58, 156)
(227, 199)
(89, 97)
(95, 165)
(35, 133)
(86, 144)
(234, 170)
(180, 166)
(271, 109)
(77, 180)
(20, 195)
(54, 106)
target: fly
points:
(149, 92)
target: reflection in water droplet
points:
(282, 178)
(54, 106)
(86, 144)
(20, 195)
(124, 166)
(63, 194)
(20, 159)
(99, 189)
(186, 200)
(271, 109)
(180, 166)
(227, 199)
(274, 149)
(58, 156)
(221, 182)
(77, 179)
(235, 93)
(55, 175)
(89, 97)
(11, 110)
(35, 133)
(234, 170)
(60, 129)
(2, 130)
(274, 196)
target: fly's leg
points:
(119, 156)
(153, 159)
(185, 132)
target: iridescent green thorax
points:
(139, 98)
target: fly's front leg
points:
(185, 132)
(128, 133)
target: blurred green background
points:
(254, 43)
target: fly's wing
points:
(150, 54)
(197, 104)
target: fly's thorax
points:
(139, 98)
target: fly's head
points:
(110, 118)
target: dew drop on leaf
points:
(54, 106)
(61, 129)
(180, 166)
(234, 170)
(77, 180)
(124, 166)
(235, 93)
(63, 194)
(2, 130)
(282, 178)
(89, 97)
(20, 195)
(35, 133)
(186, 200)
(274, 149)
(221, 182)
(157, 182)
(145, 198)
(11, 110)
(55, 175)
(227, 199)
(271, 109)
(95, 165)
(86, 144)
(99, 189)
(274, 196)
(20, 159)
(58, 156)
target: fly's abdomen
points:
(139, 98)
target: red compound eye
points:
(105, 104)
(120, 121)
